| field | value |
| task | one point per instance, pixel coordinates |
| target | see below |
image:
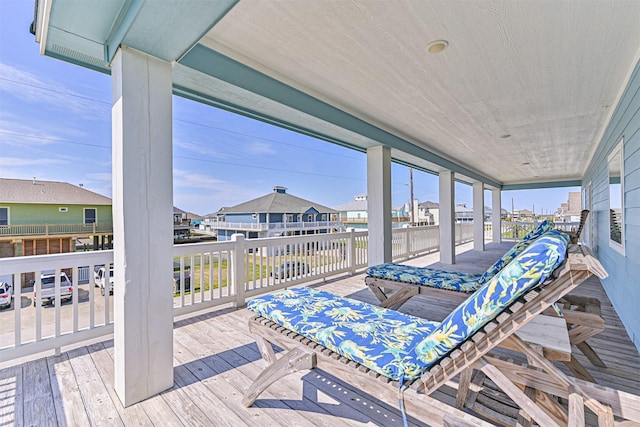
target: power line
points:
(267, 168)
(187, 158)
(66, 141)
(183, 121)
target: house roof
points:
(429, 205)
(353, 205)
(47, 192)
(276, 202)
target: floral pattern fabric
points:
(450, 280)
(398, 345)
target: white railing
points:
(254, 226)
(54, 229)
(205, 275)
(516, 230)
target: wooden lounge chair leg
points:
(578, 370)
(472, 395)
(400, 297)
(463, 387)
(521, 399)
(377, 291)
(590, 354)
(297, 359)
(576, 408)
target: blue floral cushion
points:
(542, 228)
(378, 338)
(463, 282)
(398, 345)
(531, 267)
(451, 280)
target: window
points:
(4, 216)
(90, 215)
(616, 198)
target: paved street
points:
(28, 315)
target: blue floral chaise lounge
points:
(408, 281)
(360, 343)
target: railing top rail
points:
(52, 262)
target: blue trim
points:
(537, 185)
(121, 27)
(221, 67)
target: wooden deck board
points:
(216, 359)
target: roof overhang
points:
(519, 99)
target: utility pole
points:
(411, 191)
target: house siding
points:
(623, 284)
(27, 213)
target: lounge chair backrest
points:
(542, 228)
(530, 268)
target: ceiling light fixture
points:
(437, 46)
(505, 136)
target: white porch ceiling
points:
(547, 73)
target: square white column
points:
(379, 205)
(447, 217)
(142, 223)
(478, 216)
(496, 220)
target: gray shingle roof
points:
(353, 205)
(47, 192)
(276, 203)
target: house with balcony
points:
(354, 213)
(48, 217)
(275, 214)
(501, 96)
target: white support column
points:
(379, 204)
(142, 223)
(478, 216)
(447, 218)
(496, 220)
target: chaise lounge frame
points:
(516, 381)
(583, 315)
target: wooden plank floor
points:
(216, 359)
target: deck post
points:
(496, 215)
(478, 216)
(379, 204)
(237, 270)
(447, 218)
(142, 223)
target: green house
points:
(45, 217)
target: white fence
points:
(205, 275)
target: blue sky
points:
(55, 124)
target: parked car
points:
(6, 294)
(291, 269)
(100, 277)
(176, 278)
(48, 282)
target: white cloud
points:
(261, 148)
(16, 162)
(34, 90)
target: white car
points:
(48, 282)
(100, 277)
(6, 294)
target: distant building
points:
(275, 214)
(354, 212)
(428, 213)
(463, 213)
(570, 211)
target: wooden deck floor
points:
(215, 360)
